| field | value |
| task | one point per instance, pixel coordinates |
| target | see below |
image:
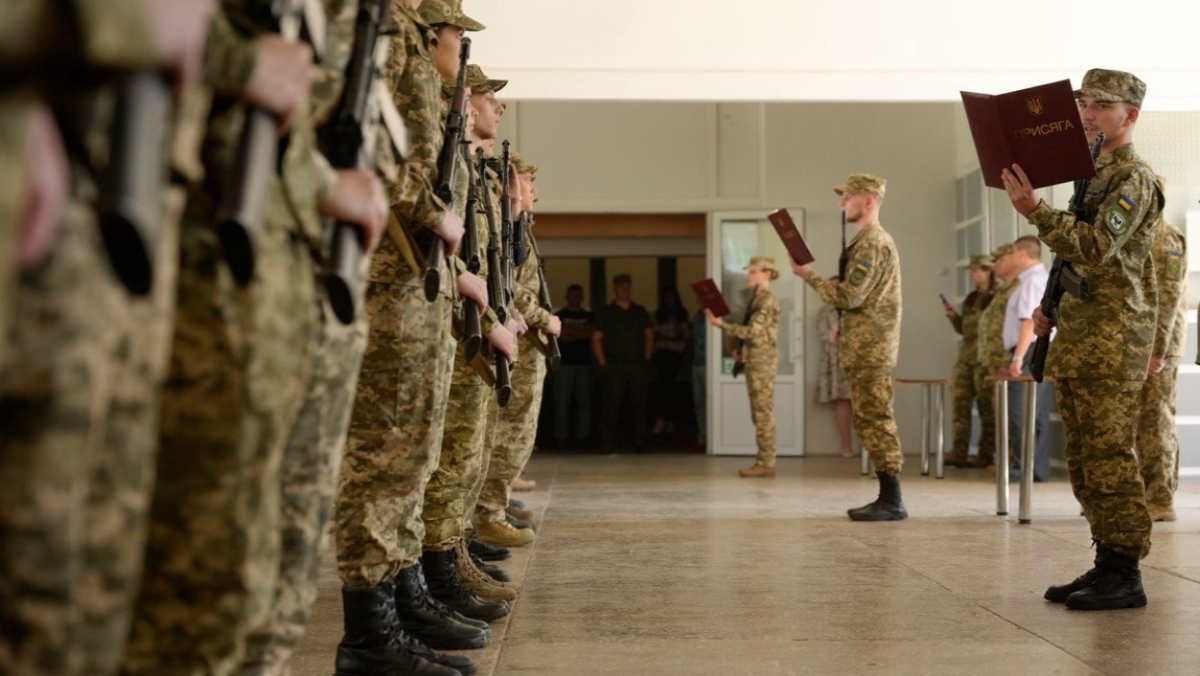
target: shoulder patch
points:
(1116, 219)
(1174, 265)
(859, 274)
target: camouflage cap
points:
(1003, 250)
(859, 183)
(980, 261)
(448, 12)
(764, 263)
(522, 166)
(1113, 85)
(479, 82)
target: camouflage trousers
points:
(967, 390)
(55, 395)
(761, 368)
(462, 462)
(395, 432)
(1157, 441)
(871, 399)
(1100, 419)
(239, 362)
(511, 440)
(985, 399)
(312, 461)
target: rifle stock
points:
(131, 198)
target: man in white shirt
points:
(1018, 339)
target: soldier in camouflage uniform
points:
(1101, 355)
(77, 399)
(758, 336)
(312, 456)
(400, 405)
(510, 440)
(450, 497)
(965, 390)
(991, 355)
(868, 294)
(1157, 441)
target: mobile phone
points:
(945, 303)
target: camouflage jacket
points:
(527, 293)
(869, 299)
(990, 351)
(109, 33)
(1111, 335)
(760, 333)
(966, 324)
(1170, 271)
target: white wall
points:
(862, 50)
(612, 157)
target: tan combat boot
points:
(757, 471)
(520, 484)
(1161, 512)
(478, 582)
(502, 534)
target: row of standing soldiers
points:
(217, 341)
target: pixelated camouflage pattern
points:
(16, 111)
(964, 390)
(461, 463)
(831, 381)
(1169, 254)
(760, 357)
(239, 362)
(1111, 335)
(869, 299)
(1157, 440)
(395, 433)
(863, 183)
(991, 352)
(871, 399)
(1099, 420)
(510, 443)
(528, 286)
(1112, 85)
(448, 12)
(54, 396)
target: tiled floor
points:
(671, 564)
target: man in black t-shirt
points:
(623, 344)
(573, 378)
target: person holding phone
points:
(965, 387)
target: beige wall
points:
(702, 157)
(563, 272)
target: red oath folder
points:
(790, 234)
(1037, 128)
(710, 297)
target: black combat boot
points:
(1059, 593)
(487, 552)
(416, 615)
(461, 665)
(1119, 585)
(887, 507)
(519, 523)
(495, 572)
(459, 617)
(369, 646)
(445, 586)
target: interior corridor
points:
(671, 564)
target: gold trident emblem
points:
(1034, 103)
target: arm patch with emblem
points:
(859, 274)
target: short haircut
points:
(575, 287)
(1030, 245)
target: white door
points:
(733, 237)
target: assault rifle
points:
(494, 282)
(506, 228)
(472, 335)
(550, 348)
(1063, 277)
(447, 168)
(131, 192)
(350, 143)
(243, 204)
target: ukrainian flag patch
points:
(859, 274)
(1126, 203)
